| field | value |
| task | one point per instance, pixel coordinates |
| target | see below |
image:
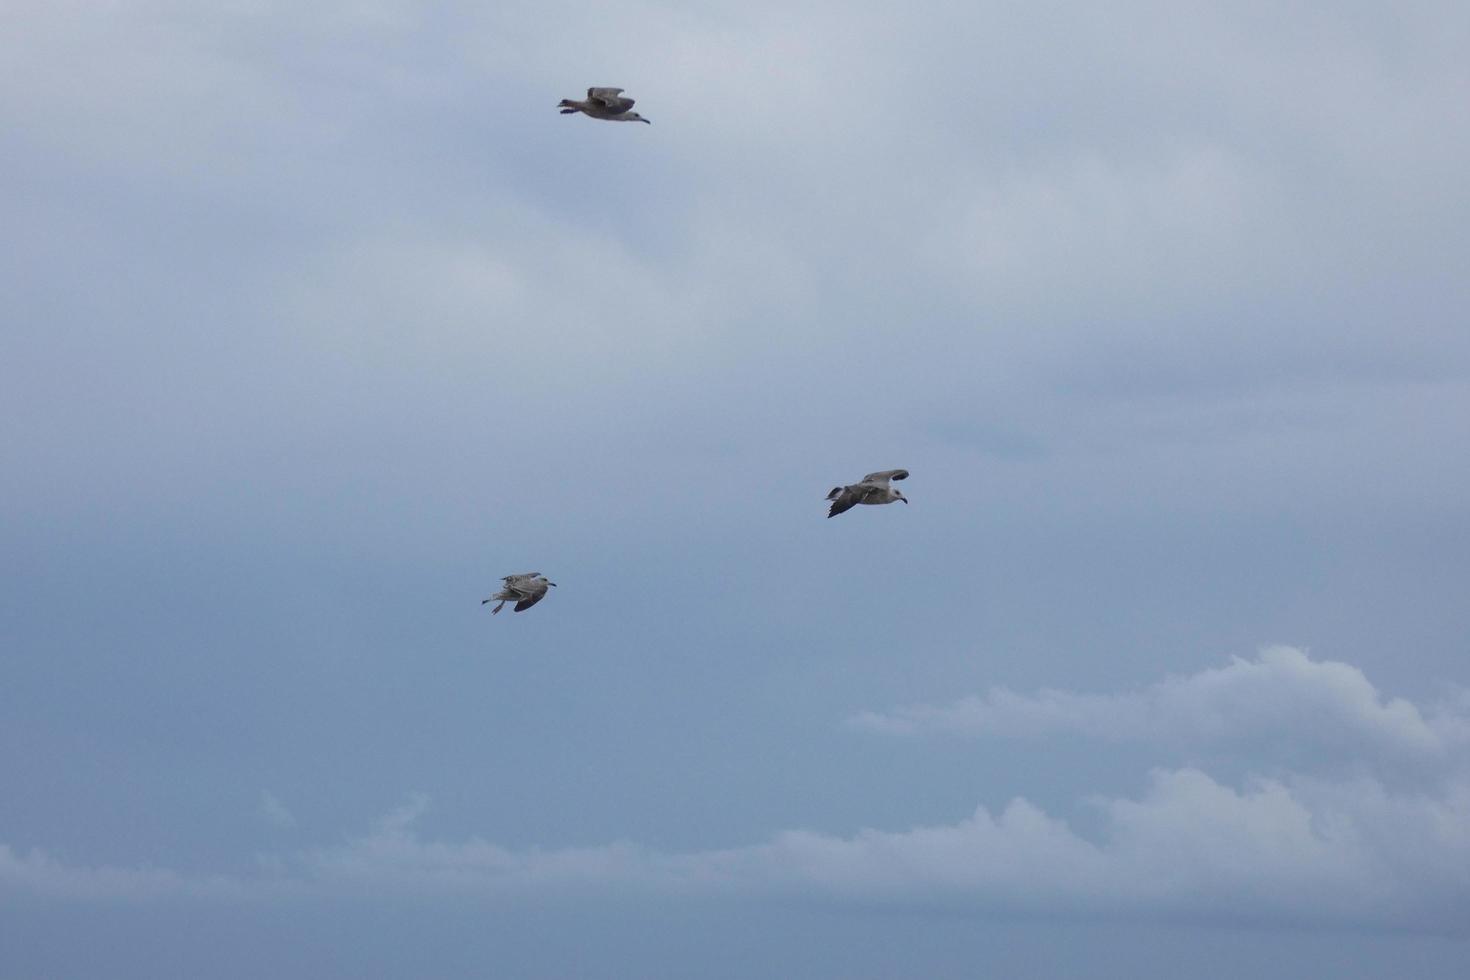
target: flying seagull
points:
(525, 590)
(603, 103)
(871, 489)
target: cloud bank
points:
(1345, 853)
(1301, 849)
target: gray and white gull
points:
(525, 590)
(871, 489)
(603, 103)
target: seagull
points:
(871, 489)
(525, 590)
(603, 103)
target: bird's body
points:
(525, 590)
(603, 103)
(871, 489)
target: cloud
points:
(1136, 222)
(1281, 698)
(1305, 852)
(1297, 849)
(39, 874)
(274, 812)
(1189, 846)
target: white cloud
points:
(1300, 852)
(38, 873)
(1282, 698)
(1189, 846)
(1297, 849)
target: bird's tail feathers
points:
(835, 492)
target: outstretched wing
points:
(845, 501)
(519, 576)
(530, 593)
(883, 476)
(611, 98)
(529, 601)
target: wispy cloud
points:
(37, 873)
(274, 812)
(1282, 696)
(1303, 852)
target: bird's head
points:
(898, 495)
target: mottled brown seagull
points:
(525, 590)
(603, 103)
(871, 489)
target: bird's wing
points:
(883, 476)
(518, 576)
(607, 96)
(845, 501)
(532, 593)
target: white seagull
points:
(603, 103)
(525, 590)
(871, 489)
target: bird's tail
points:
(835, 492)
(567, 107)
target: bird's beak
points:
(904, 499)
(649, 121)
(553, 583)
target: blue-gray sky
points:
(315, 322)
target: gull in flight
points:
(871, 489)
(525, 590)
(603, 103)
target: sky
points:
(315, 320)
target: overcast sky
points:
(316, 319)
